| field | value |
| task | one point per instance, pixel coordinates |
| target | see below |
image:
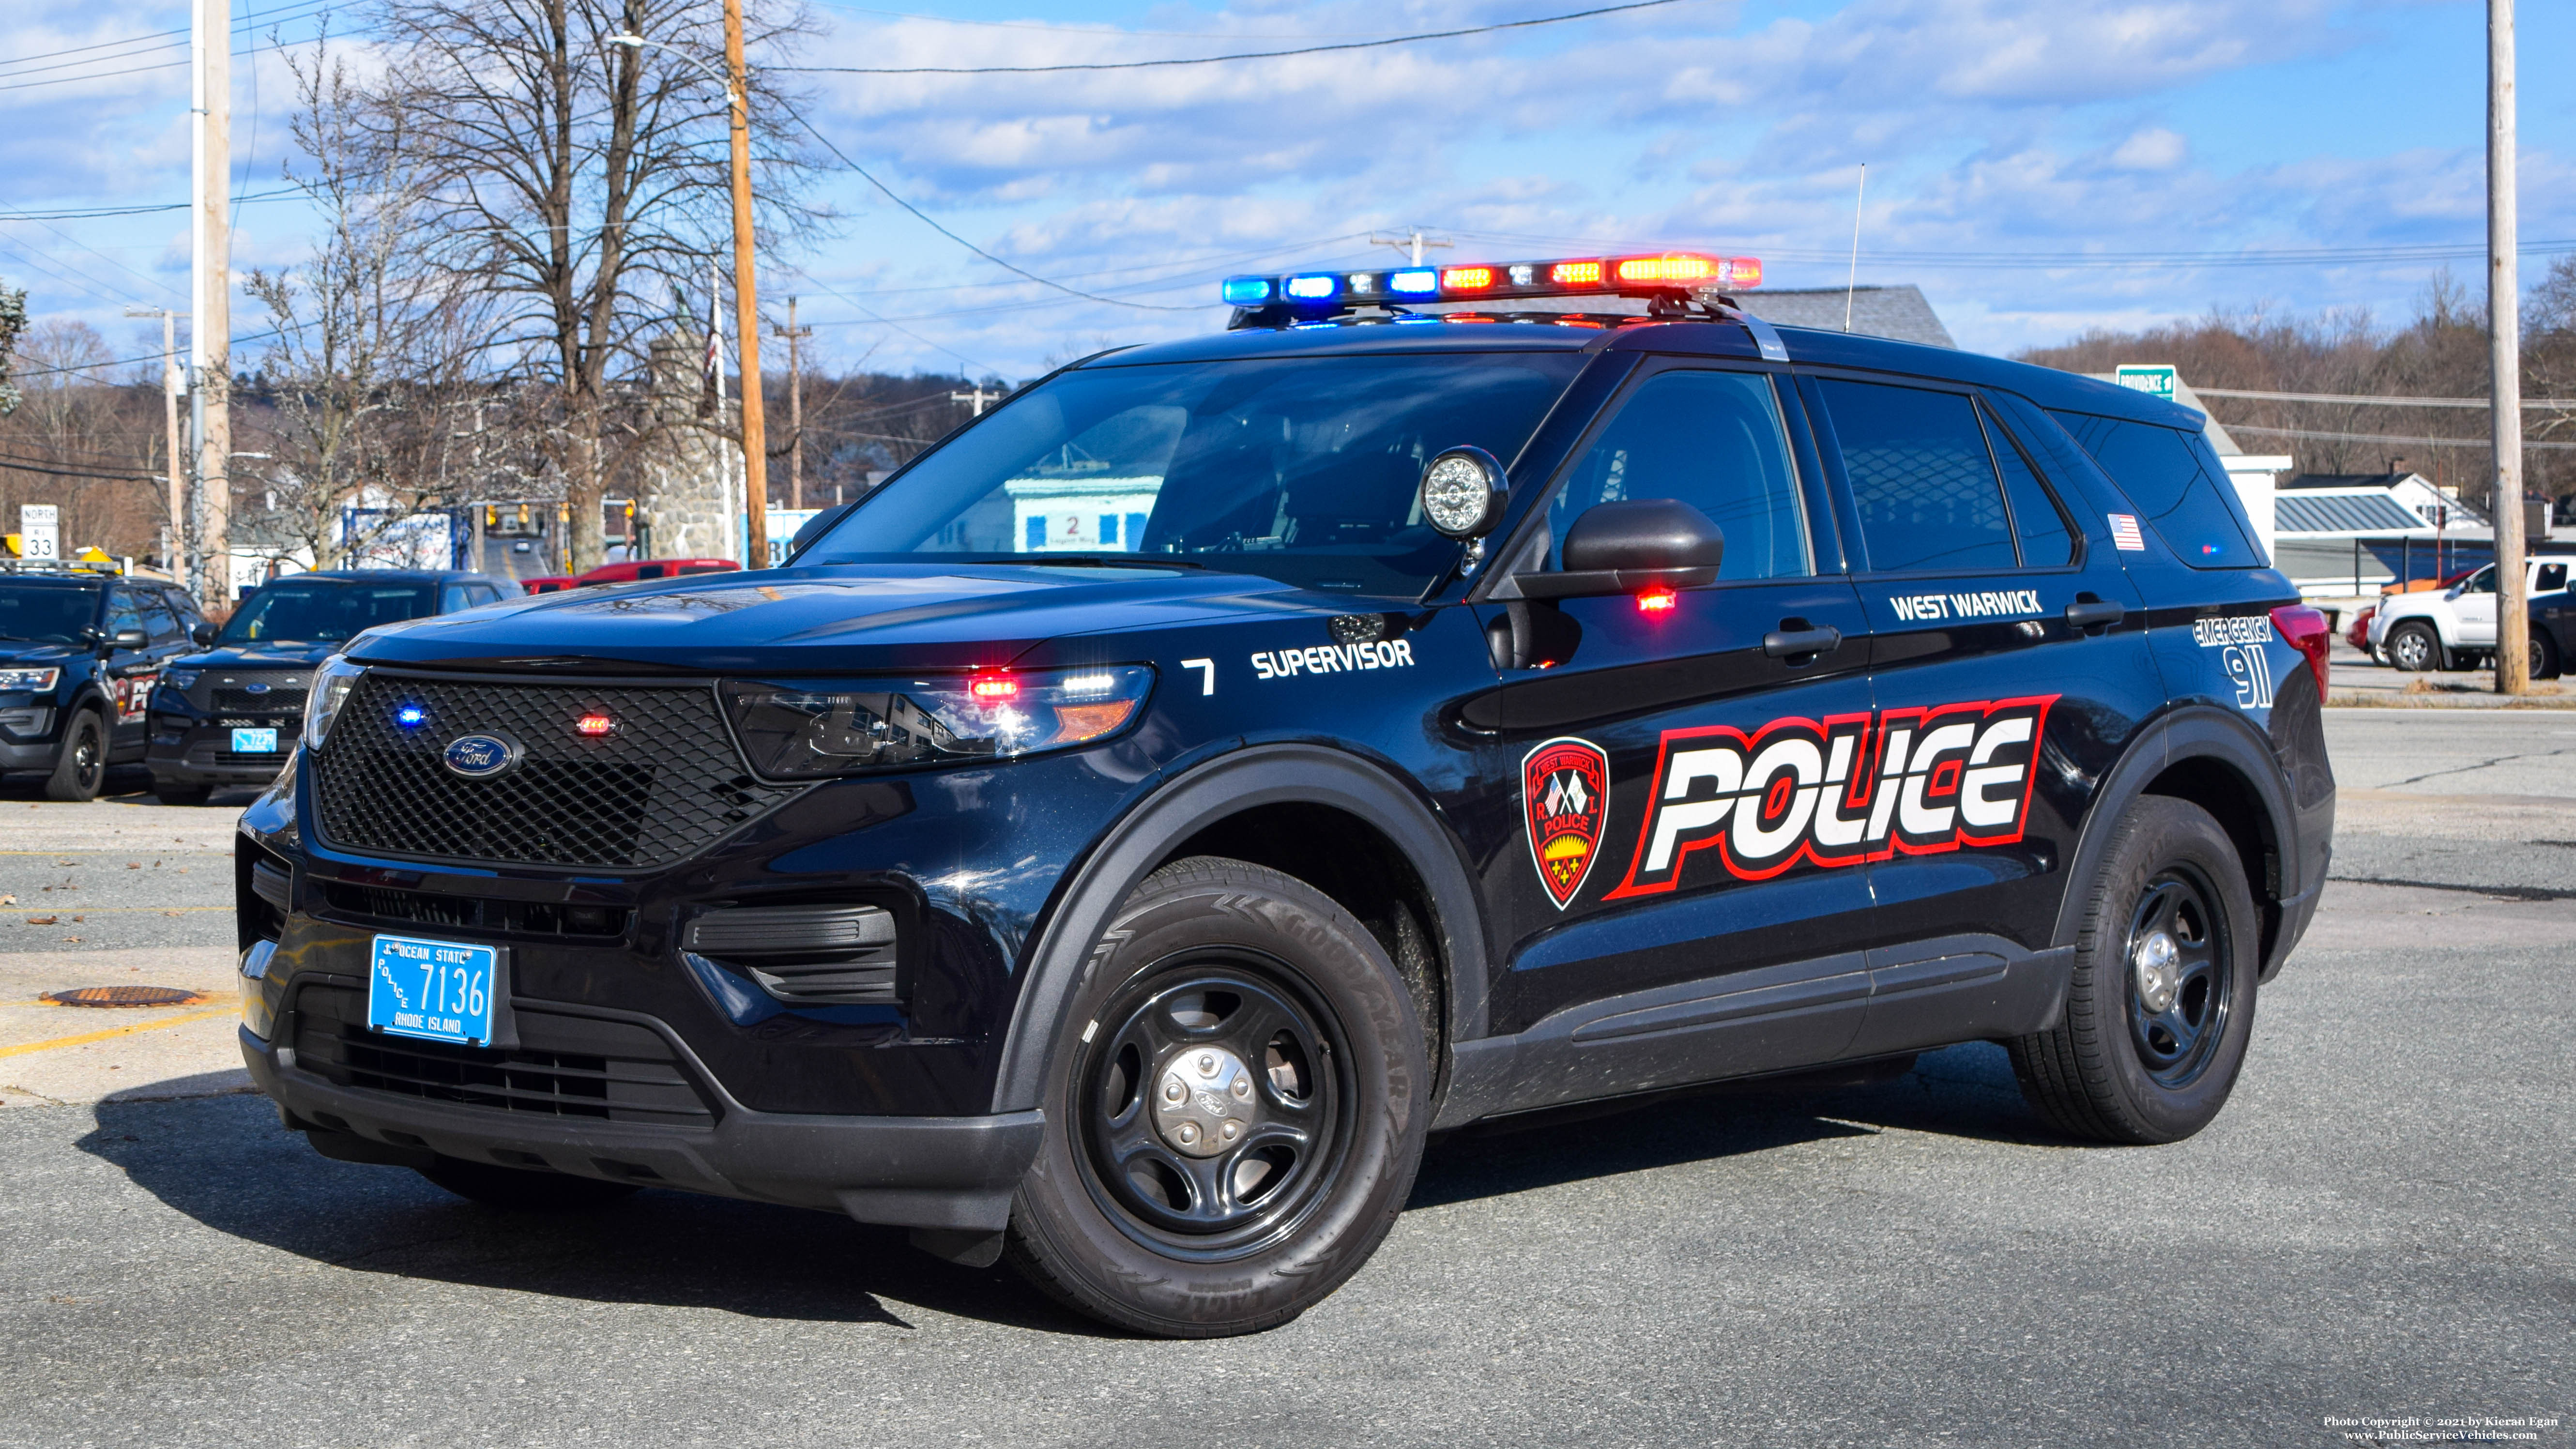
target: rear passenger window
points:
(2553, 577)
(2177, 484)
(1921, 478)
(1712, 440)
(2046, 541)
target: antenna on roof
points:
(1852, 285)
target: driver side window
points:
(1713, 440)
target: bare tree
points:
(581, 184)
(85, 439)
(376, 346)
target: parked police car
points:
(229, 716)
(81, 652)
(1123, 837)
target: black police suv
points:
(81, 653)
(1120, 839)
(230, 716)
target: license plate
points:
(255, 742)
(440, 990)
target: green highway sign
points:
(2155, 380)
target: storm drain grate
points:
(126, 996)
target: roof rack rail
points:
(104, 568)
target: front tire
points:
(2162, 1003)
(2414, 648)
(1236, 1104)
(82, 766)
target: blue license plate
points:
(441, 990)
(255, 742)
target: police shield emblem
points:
(1565, 798)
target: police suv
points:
(1117, 842)
(82, 651)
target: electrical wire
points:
(319, 7)
(926, 220)
(897, 326)
(1218, 59)
(2426, 439)
(92, 212)
(2372, 400)
(1080, 29)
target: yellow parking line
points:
(104, 910)
(86, 1038)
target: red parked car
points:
(551, 583)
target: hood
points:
(15, 652)
(851, 617)
(257, 656)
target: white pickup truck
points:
(2456, 628)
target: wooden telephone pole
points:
(795, 407)
(755, 451)
(2504, 345)
(211, 323)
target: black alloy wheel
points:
(2179, 966)
(82, 766)
(2160, 1001)
(1236, 1101)
(1217, 1105)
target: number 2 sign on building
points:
(39, 531)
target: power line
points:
(87, 213)
(2426, 439)
(142, 69)
(1218, 59)
(926, 220)
(321, 8)
(2370, 400)
(1960, 260)
(873, 317)
(1079, 29)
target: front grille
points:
(665, 785)
(429, 908)
(275, 701)
(564, 1066)
(229, 690)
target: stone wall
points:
(689, 485)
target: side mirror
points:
(204, 635)
(131, 639)
(1620, 548)
(1462, 492)
(816, 526)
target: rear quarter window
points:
(2178, 485)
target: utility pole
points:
(977, 398)
(755, 457)
(1414, 240)
(2504, 346)
(173, 383)
(211, 317)
(795, 408)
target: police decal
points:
(1853, 788)
(1565, 802)
(2242, 642)
(1332, 659)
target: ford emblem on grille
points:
(255, 687)
(480, 757)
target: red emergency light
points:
(1665, 274)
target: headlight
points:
(41, 681)
(818, 728)
(331, 685)
(179, 678)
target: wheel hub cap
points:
(1204, 1101)
(2156, 959)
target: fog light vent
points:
(819, 955)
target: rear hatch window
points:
(2180, 488)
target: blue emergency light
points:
(1663, 274)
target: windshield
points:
(287, 613)
(43, 615)
(1301, 470)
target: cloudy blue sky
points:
(2160, 144)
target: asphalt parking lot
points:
(2378, 1227)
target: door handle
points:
(1789, 643)
(2094, 613)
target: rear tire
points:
(2544, 654)
(520, 1190)
(2162, 1002)
(82, 766)
(1137, 1211)
(2414, 648)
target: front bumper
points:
(953, 1173)
(202, 754)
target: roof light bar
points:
(1574, 277)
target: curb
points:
(2480, 700)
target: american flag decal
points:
(2124, 533)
